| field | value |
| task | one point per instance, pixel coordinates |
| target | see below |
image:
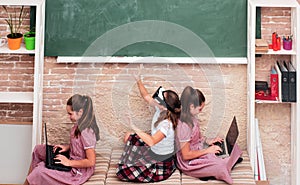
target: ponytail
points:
(173, 108)
(190, 96)
(88, 119)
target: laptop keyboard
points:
(52, 154)
(222, 146)
(50, 163)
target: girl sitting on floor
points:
(149, 158)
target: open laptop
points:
(50, 155)
(231, 137)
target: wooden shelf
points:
(272, 101)
(16, 97)
(4, 49)
(15, 123)
(19, 3)
(280, 52)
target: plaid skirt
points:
(137, 163)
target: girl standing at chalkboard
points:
(192, 158)
(83, 138)
(149, 158)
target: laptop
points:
(50, 155)
(230, 140)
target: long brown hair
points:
(173, 108)
(190, 96)
(88, 119)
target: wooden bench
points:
(103, 156)
(107, 159)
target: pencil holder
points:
(287, 44)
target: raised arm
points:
(144, 93)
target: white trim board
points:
(162, 60)
(20, 3)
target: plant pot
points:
(14, 42)
(29, 39)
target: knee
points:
(39, 153)
(126, 137)
(39, 148)
(36, 173)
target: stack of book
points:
(261, 46)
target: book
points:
(284, 82)
(277, 68)
(274, 83)
(261, 46)
(292, 82)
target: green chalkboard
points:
(167, 28)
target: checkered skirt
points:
(137, 165)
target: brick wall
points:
(16, 75)
(115, 93)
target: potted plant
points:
(14, 21)
(29, 39)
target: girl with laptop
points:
(149, 157)
(83, 137)
(193, 158)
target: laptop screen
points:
(232, 135)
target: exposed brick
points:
(23, 77)
(27, 58)
(5, 57)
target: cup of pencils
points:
(287, 42)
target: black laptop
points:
(230, 140)
(50, 155)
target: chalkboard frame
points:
(56, 46)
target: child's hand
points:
(214, 140)
(61, 159)
(137, 76)
(214, 149)
(63, 148)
